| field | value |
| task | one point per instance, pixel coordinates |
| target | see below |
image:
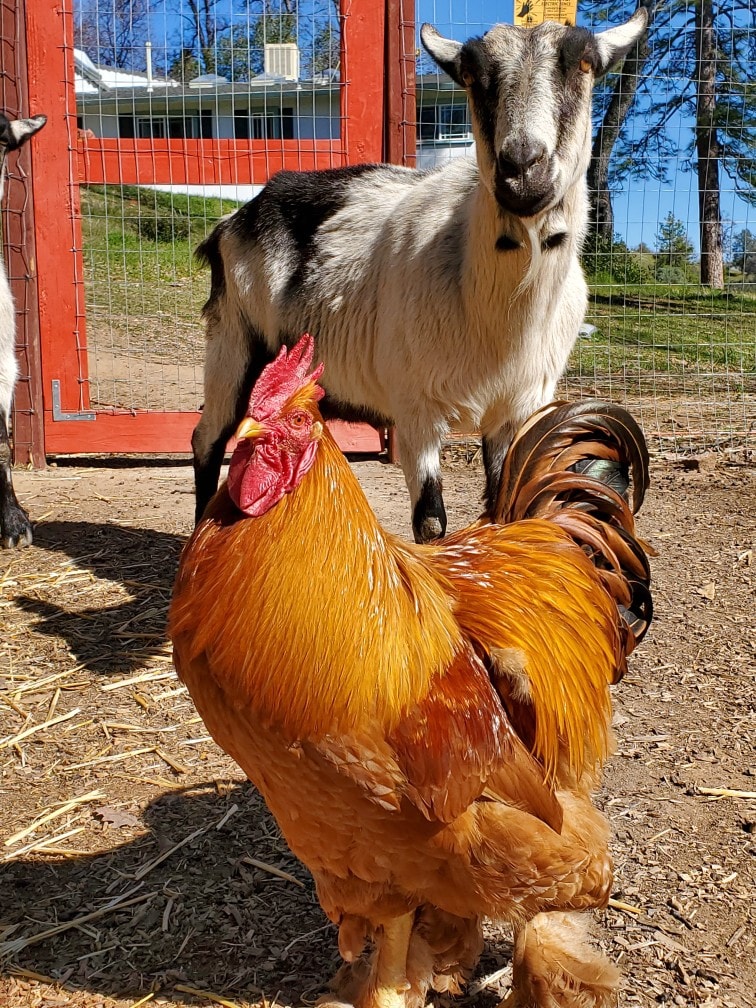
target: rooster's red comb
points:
(284, 376)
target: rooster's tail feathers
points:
(593, 438)
(573, 464)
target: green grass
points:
(653, 328)
(144, 289)
(121, 223)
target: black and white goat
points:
(15, 528)
(440, 299)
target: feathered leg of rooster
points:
(389, 983)
(555, 965)
(397, 974)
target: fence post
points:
(400, 100)
(19, 243)
(57, 221)
(363, 32)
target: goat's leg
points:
(15, 528)
(495, 447)
(233, 363)
(421, 462)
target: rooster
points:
(426, 723)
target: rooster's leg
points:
(389, 981)
(397, 974)
(555, 964)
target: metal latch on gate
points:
(58, 413)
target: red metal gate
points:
(38, 52)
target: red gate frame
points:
(62, 160)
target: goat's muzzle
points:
(523, 181)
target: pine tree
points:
(744, 252)
(699, 71)
(673, 247)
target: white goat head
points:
(13, 134)
(529, 91)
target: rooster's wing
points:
(452, 748)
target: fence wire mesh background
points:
(268, 74)
(166, 74)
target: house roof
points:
(90, 79)
(186, 96)
(109, 88)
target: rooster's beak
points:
(250, 428)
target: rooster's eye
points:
(298, 420)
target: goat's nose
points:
(518, 156)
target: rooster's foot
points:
(556, 966)
(397, 974)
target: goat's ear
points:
(22, 129)
(614, 44)
(444, 51)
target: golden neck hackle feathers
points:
(532, 596)
(348, 626)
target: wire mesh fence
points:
(158, 81)
(185, 110)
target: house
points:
(275, 105)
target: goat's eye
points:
(467, 78)
(585, 66)
(297, 420)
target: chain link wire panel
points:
(681, 354)
(184, 111)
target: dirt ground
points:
(137, 867)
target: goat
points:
(15, 528)
(438, 299)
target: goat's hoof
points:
(429, 528)
(17, 541)
(15, 530)
(429, 513)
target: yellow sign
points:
(528, 13)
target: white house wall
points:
(316, 115)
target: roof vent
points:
(208, 81)
(282, 60)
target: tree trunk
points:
(601, 223)
(707, 148)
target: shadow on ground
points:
(205, 917)
(110, 637)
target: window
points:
(151, 129)
(444, 122)
(126, 127)
(277, 125)
(166, 127)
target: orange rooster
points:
(426, 723)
